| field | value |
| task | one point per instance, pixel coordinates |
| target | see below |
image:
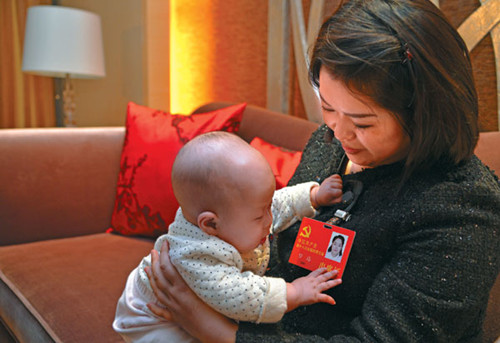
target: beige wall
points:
(103, 102)
(157, 54)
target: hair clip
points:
(407, 55)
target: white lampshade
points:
(62, 40)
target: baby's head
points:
(225, 187)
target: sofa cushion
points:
(67, 287)
(145, 204)
(283, 162)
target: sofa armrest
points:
(487, 150)
(57, 182)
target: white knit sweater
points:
(229, 282)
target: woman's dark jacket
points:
(424, 258)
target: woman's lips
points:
(350, 150)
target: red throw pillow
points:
(145, 204)
(283, 161)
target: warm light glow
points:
(191, 54)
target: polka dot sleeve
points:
(213, 269)
(291, 204)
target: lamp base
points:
(69, 121)
(69, 105)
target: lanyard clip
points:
(345, 216)
(338, 217)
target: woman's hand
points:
(182, 305)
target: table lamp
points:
(63, 42)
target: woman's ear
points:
(207, 221)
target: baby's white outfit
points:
(229, 282)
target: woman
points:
(334, 251)
(400, 113)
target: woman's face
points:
(370, 135)
(336, 247)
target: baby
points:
(219, 239)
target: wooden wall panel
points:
(483, 63)
(218, 52)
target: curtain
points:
(25, 100)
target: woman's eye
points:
(359, 126)
(329, 110)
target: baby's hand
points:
(308, 289)
(328, 193)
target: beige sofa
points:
(60, 273)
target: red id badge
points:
(321, 245)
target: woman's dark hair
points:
(407, 58)
(333, 240)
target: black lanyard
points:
(351, 189)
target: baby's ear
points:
(207, 221)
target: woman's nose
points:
(343, 128)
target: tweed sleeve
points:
(320, 159)
(291, 204)
(435, 286)
(440, 275)
(439, 278)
